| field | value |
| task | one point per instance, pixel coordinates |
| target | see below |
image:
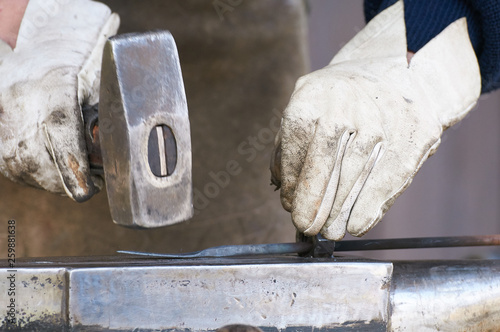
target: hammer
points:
(138, 135)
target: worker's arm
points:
(53, 70)
(427, 18)
(356, 132)
(11, 15)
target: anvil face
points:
(123, 293)
(275, 293)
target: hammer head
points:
(144, 131)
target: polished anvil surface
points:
(276, 293)
(122, 293)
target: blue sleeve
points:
(427, 18)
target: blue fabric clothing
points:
(427, 18)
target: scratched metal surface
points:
(40, 298)
(446, 296)
(275, 293)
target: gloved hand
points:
(54, 69)
(356, 132)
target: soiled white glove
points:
(356, 132)
(54, 69)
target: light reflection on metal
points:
(446, 296)
(204, 294)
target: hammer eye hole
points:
(162, 151)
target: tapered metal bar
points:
(329, 247)
(235, 250)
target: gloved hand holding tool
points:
(53, 70)
(140, 141)
(356, 132)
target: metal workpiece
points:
(144, 131)
(235, 251)
(416, 243)
(275, 293)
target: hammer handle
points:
(91, 129)
(162, 150)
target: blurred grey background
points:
(457, 190)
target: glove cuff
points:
(89, 77)
(448, 71)
(445, 69)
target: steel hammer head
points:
(144, 131)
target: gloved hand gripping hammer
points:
(140, 139)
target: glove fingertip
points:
(357, 228)
(334, 232)
(78, 182)
(301, 222)
(73, 169)
(286, 201)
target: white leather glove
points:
(356, 132)
(54, 69)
